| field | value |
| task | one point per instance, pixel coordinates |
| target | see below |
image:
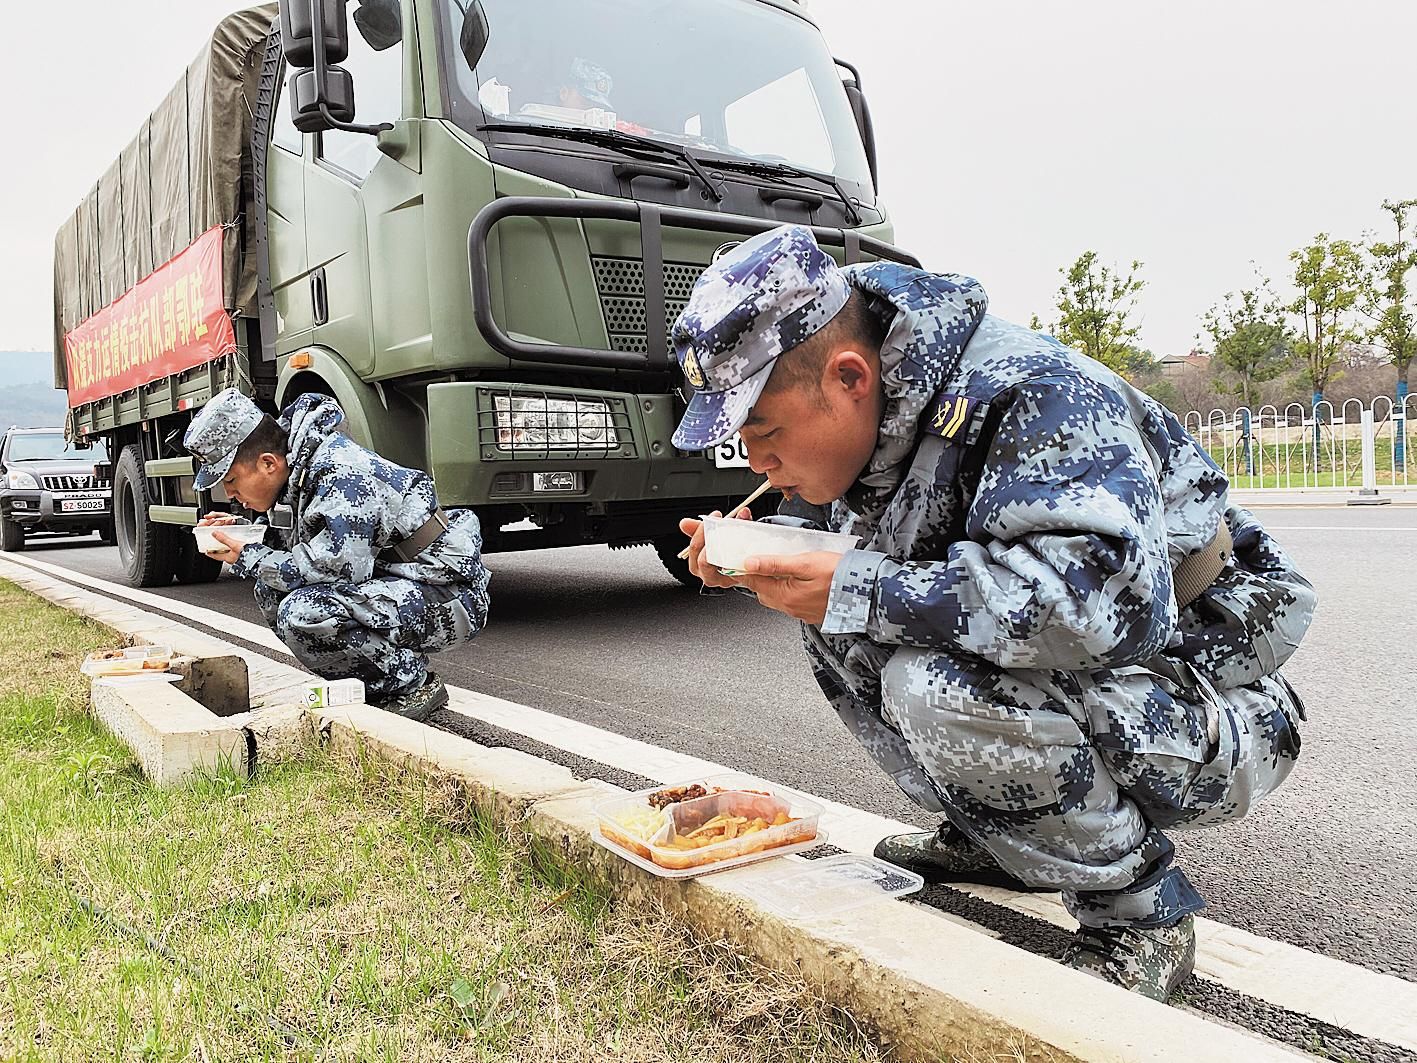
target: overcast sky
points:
(1012, 135)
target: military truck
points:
(482, 269)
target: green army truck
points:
(482, 269)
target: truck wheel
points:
(192, 566)
(146, 549)
(668, 547)
(12, 536)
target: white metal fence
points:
(1311, 446)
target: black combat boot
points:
(946, 855)
(1151, 961)
(421, 703)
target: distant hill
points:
(27, 394)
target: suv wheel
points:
(12, 536)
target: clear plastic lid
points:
(832, 885)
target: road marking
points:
(1347, 995)
(1334, 527)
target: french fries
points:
(724, 828)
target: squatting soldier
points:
(1057, 632)
(370, 574)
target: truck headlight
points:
(21, 481)
(537, 422)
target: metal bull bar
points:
(651, 218)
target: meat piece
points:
(674, 794)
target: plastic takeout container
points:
(729, 542)
(131, 660)
(245, 534)
(729, 795)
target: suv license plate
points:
(83, 505)
(732, 453)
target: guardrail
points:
(1319, 446)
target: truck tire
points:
(668, 547)
(193, 566)
(12, 536)
(147, 550)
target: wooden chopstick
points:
(762, 490)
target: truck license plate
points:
(732, 453)
(83, 505)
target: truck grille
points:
(73, 483)
(621, 283)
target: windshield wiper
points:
(627, 143)
(782, 169)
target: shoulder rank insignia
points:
(952, 416)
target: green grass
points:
(324, 909)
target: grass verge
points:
(328, 909)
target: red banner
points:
(173, 320)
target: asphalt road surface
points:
(607, 637)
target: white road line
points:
(1344, 994)
(1333, 528)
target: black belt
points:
(408, 549)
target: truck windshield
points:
(738, 78)
(49, 446)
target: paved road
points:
(608, 638)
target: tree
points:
(1249, 341)
(1095, 308)
(1329, 276)
(1389, 301)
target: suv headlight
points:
(534, 421)
(21, 481)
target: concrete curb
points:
(174, 737)
(929, 986)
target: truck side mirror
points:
(380, 23)
(862, 113)
(315, 36)
(307, 92)
(472, 38)
(297, 33)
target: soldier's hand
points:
(711, 576)
(216, 519)
(796, 584)
(232, 551)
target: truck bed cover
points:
(186, 170)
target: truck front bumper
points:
(489, 442)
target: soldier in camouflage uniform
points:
(1022, 641)
(369, 575)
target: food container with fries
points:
(707, 825)
(130, 660)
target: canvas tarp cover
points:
(181, 174)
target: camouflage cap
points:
(592, 82)
(217, 432)
(764, 297)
